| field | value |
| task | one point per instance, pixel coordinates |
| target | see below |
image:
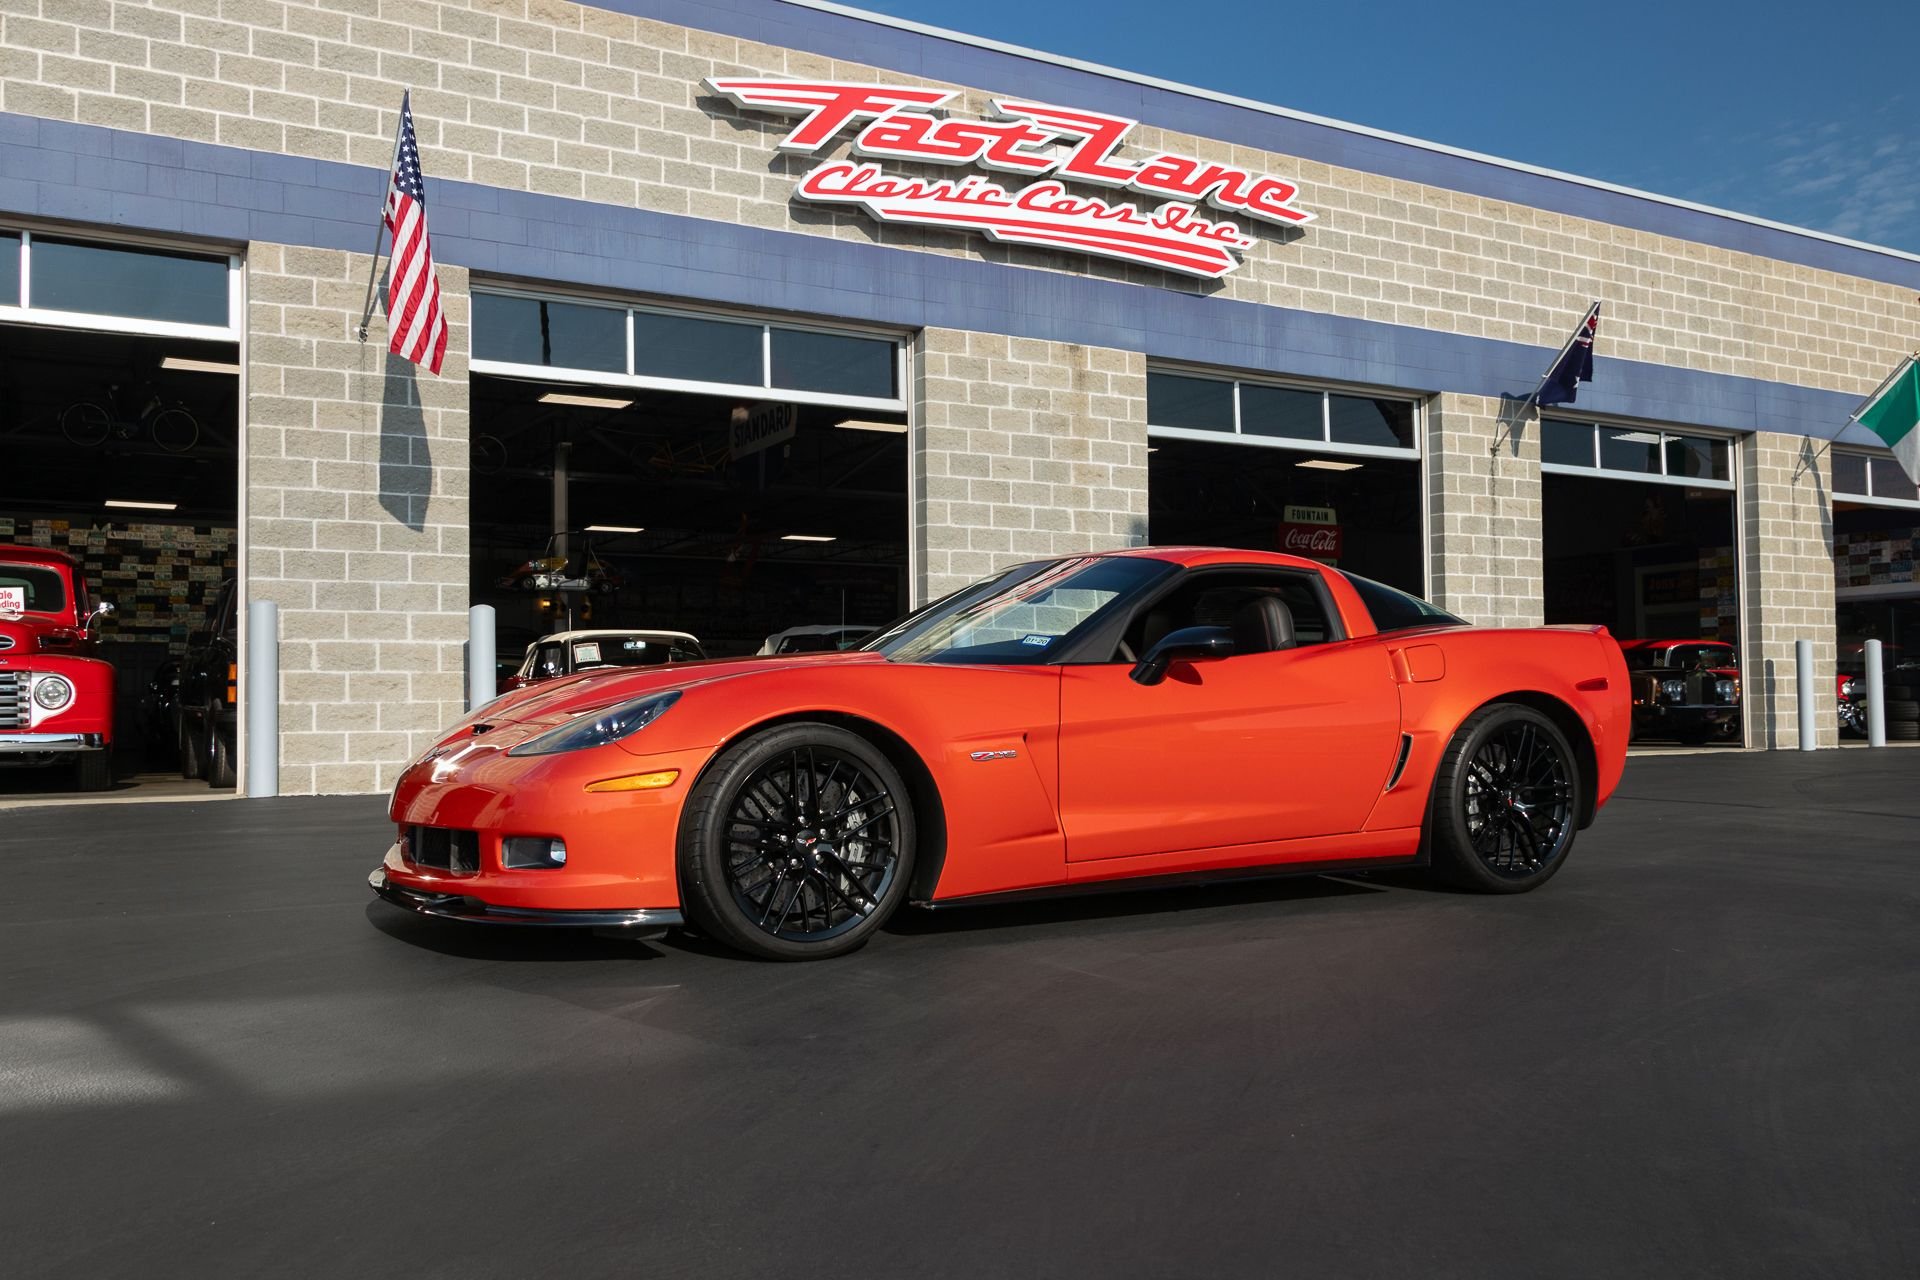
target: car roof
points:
(34, 555)
(606, 632)
(1195, 556)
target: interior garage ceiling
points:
(44, 371)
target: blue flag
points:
(1575, 364)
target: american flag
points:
(418, 329)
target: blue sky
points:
(1804, 113)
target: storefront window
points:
(1630, 450)
(1566, 444)
(1386, 424)
(1185, 402)
(143, 284)
(807, 360)
(1281, 412)
(565, 334)
(696, 350)
(1889, 481)
(684, 350)
(9, 269)
(1701, 457)
(1195, 404)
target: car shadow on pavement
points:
(468, 941)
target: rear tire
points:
(797, 844)
(1506, 801)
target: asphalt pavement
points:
(1694, 1053)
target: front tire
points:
(93, 771)
(219, 760)
(797, 844)
(1506, 801)
(192, 763)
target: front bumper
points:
(453, 906)
(50, 743)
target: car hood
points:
(553, 702)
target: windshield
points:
(630, 651)
(26, 588)
(1706, 656)
(1026, 615)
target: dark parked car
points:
(205, 709)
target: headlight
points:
(1724, 689)
(1673, 690)
(598, 729)
(52, 692)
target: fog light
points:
(52, 692)
(522, 853)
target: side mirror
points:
(102, 610)
(1190, 643)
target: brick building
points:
(745, 380)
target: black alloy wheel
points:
(1506, 801)
(798, 843)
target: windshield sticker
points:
(13, 599)
(1039, 641)
(586, 653)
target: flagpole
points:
(1534, 398)
(1885, 382)
(380, 227)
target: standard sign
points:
(1155, 218)
(762, 427)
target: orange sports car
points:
(1163, 712)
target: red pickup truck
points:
(56, 693)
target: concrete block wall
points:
(1483, 511)
(356, 519)
(582, 102)
(1787, 529)
(1022, 449)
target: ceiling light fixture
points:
(808, 537)
(141, 506)
(1327, 464)
(861, 424)
(585, 402)
(615, 528)
(1635, 437)
(187, 364)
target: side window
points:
(546, 662)
(1221, 598)
(684, 651)
(1395, 610)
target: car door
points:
(1254, 747)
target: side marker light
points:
(637, 781)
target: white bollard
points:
(1809, 697)
(263, 699)
(1876, 697)
(480, 656)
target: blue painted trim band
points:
(957, 62)
(84, 173)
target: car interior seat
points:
(1262, 625)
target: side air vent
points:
(1400, 765)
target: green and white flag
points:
(1893, 414)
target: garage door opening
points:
(1640, 536)
(705, 485)
(1332, 476)
(1876, 525)
(119, 411)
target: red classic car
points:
(1684, 689)
(56, 695)
(1094, 719)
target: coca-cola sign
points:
(1315, 541)
(1156, 219)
